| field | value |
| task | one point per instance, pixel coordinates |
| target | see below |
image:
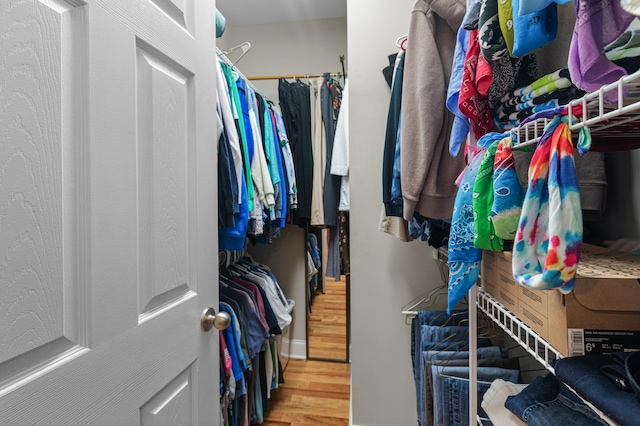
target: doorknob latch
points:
(210, 319)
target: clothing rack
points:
(292, 76)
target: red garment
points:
(484, 76)
(225, 357)
(476, 78)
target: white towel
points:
(494, 399)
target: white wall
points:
(303, 47)
(385, 273)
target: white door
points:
(108, 212)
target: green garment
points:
(484, 232)
(492, 44)
(237, 112)
(505, 15)
(269, 143)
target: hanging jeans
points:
(427, 318)
(451, 391)
(436, 330)
(430, 358)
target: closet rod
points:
(290, 76)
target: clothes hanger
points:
(245, 46)
(424, 299)
(242, 269)
(402, 41)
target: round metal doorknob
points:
(210, 319)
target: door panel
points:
(173, 405)
(34, 298)
(180, 11)
(107, 212)
(165, 99)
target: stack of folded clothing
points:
(625, 50)
(610, 382)
(547, 92)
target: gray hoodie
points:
(428, 172)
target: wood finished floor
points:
(328, 322)
(317, 392)
(314, 393)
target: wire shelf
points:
(535, 345)
(617, 120)
(620, 118)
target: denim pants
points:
(428, 318)
(430, 358)
(436, 338)
(451, 397)
(584, 375)
(431, 318)
(548, 402)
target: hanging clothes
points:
(340, 158)
(250, 368)
(256, 174)
(428, 171)
(319, 144)
(295, 101)
(331, 98)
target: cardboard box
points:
(601, 314)
(499, 285)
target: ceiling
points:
(244, 12)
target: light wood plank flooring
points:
(328, 322)
(315, 393)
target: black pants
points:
(295, 102)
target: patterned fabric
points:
(472, 102)
(508, 194)
(433, 231)
(464, 258)
(550, 91)
(460, 127)
(492, 42)
(485, 234)
(549, 238)
(509, 73)
(625, 46)
(343, 230)
(598, 23)
(549, 83)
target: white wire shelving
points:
(611, 120)
(607, 121)
(612, 114)
(518, 330)
(521, 333)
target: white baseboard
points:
(298, 349)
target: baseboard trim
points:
(298, 349)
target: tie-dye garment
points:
(549, 238)
(508, 194)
